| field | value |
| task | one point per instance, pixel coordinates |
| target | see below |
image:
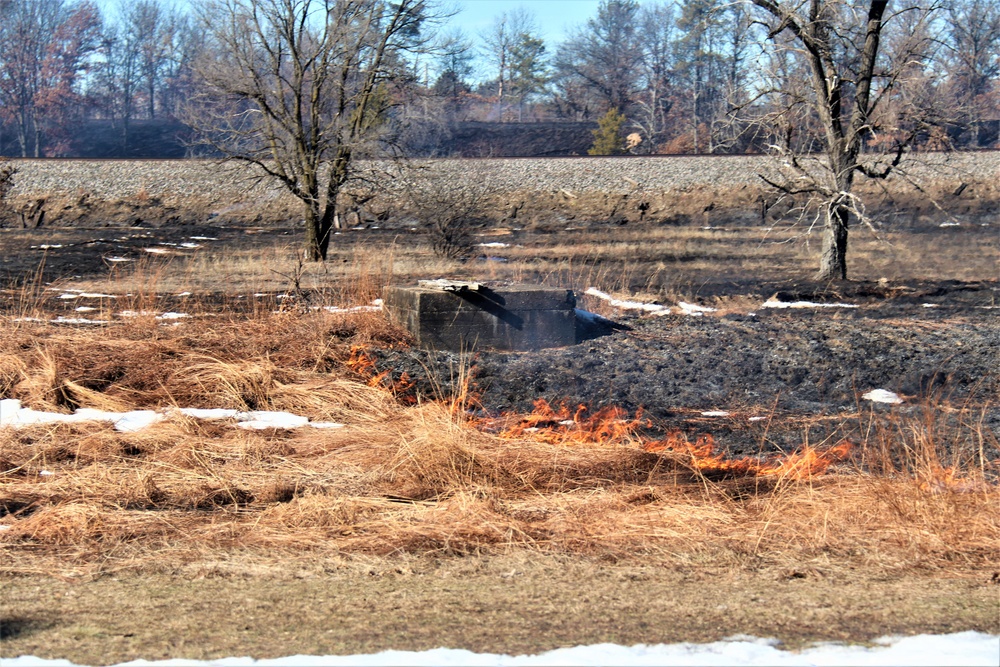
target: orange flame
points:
(801, 464)
(938, 479)
(362, 362)
(609, 425)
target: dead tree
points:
(301, 89)
(838, 46)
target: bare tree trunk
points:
(833, 260)
(317, 240)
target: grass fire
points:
(827, 468)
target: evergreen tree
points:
(608, 135)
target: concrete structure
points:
(447, 315)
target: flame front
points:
(362, 362)
(609, 425)
(801, 464)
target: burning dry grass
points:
(407, 474)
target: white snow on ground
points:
(654, 308)
(715, 413)
(76, 320)
(87, 295)
(683, 307)
(882, 396)
(963, 648)
(117, 259)
(774, 303)
(353, 309)
(493, 244)
(694, 309)
(14, 416)
(590, 318)
(157, 251)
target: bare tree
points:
(700, 67)
(602, 58)
(973, 28)
(655, 97)
(301, 89)
(44, 49)
(515, 52)
(839, 45)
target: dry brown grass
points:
(415, 478)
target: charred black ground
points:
(935, 342)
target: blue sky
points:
(554, 17)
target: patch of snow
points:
(84, 309)
(77, 320)
(378, 302)
(931, 305)
(774, 303)
(961, 648)
(157, 251)
(589, 317)
(172, 316)
(74, 294)
(352, 309)
(262, 419)
(757, 419)
(882, 396)
(493, 244)
(715, 413)
(45, 473)
(203, 238)
(190, 246)
(184, 294)
(13, 415)
(694, 309)
(654, 308)
(950, 224)
(117, 259)
(46, 246)
(136, 313)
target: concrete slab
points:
(500, 317)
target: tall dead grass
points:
(418, 477)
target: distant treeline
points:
(685, 77)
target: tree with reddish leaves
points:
(45, 47)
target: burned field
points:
(719, 434)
